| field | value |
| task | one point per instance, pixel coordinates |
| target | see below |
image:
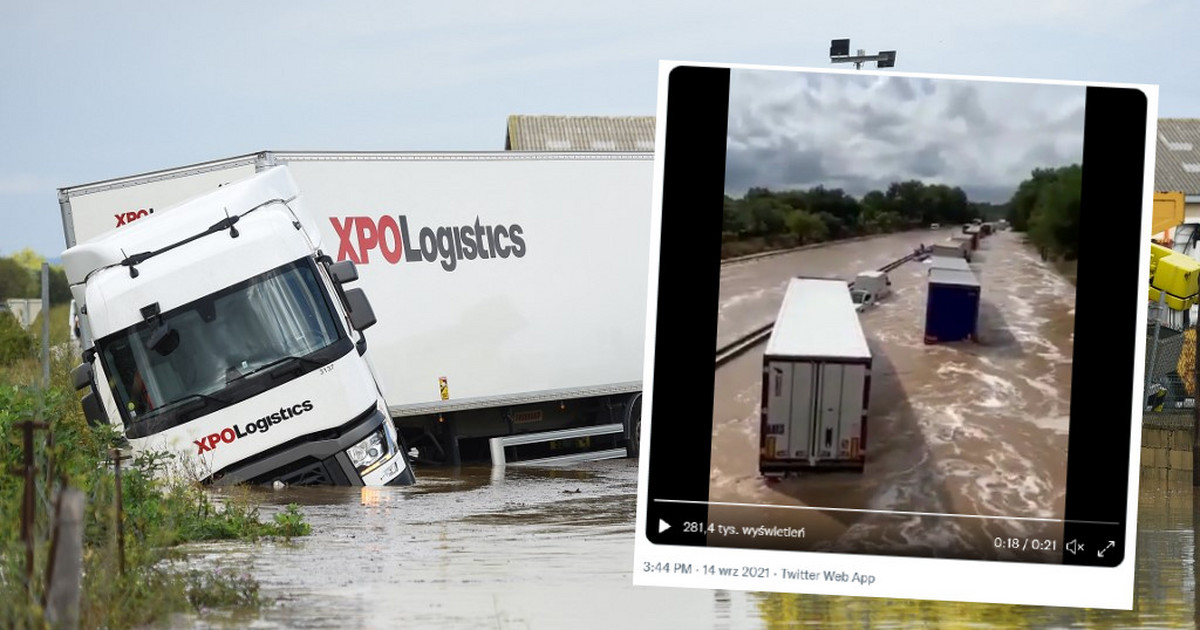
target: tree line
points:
(765, 219)
(1046, 208)
(21, 277)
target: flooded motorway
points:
(965, 429)
(751, 290)
(462, 550)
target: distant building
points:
(580, 133)
(24, 309)
(1177, 169)
(1177, 161)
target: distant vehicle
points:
(869, 288)
(935, 226)
(816, 382)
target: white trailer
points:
(816, 382)
(509, 287)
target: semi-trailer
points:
(949, 262)
(952, 306)
(509, 290)
(816, 382)
(951, 249)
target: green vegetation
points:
(20, 277)
(764, 219)
(1046, 207)
(158, 516)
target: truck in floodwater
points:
(952, 305)
(221, 333)
(510, 286)
(816, 382)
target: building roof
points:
(580, 133)
(1177, 158)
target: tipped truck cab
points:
(219, 331)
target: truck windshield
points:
(206, 354)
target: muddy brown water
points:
(752, 290)
(966, 429)
(463, 550)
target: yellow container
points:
(1179, 277)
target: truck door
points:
(851, 417)
(801, 419)
(828, 434)
(779, 409)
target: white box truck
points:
(816, 382)
(869, 288)
(509, 287)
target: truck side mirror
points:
(81, 376)
(93, 410)
(362, 316)
(343, 272)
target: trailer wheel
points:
(633, 420)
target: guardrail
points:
(735, 348)
(497, 445)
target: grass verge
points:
(158, 515)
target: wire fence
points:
(1170, 384)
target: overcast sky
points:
(90, 91)
(863, 132)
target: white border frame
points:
(896, 576)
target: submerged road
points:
(966, 429)
(752, 290)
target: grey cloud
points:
(863, 132)
(928, 161)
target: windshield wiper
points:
(270, 367)
(185, 402)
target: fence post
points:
(65, 569)
(45, 325)
(116, 454)
(28, 504)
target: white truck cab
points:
(219, 331)
(869, 288)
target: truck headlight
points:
(369, 451)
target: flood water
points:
(464, 550)
(962, 428)
(751, 290)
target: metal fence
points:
(1170, 384)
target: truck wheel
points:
(634, 420)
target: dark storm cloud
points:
(861, 132)
(927, 161)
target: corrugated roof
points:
(1177, 158)
(580, 133)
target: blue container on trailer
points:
(952, 306)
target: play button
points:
(663, 526)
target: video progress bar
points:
(894, 512)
